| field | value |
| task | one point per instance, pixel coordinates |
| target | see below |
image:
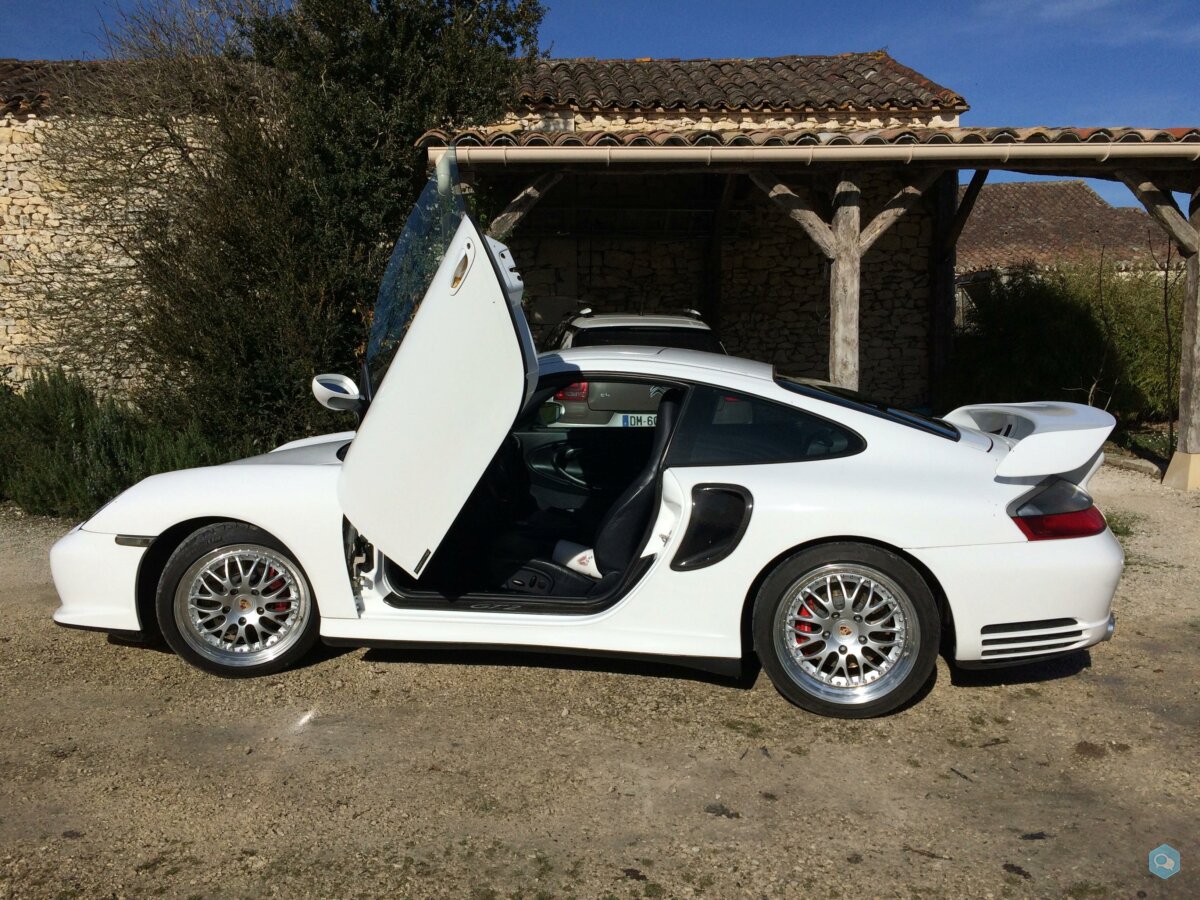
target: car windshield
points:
(648, 336)
(831, 393)
(427, 234)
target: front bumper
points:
(1023, 602)
(96, 580)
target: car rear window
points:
(723, 428)
(849, 399)
(648, 336)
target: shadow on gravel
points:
(154, 644)
(1046, 670)
(536, 659)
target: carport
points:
(844, 191)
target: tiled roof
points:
(1054, 223)
(29, 87)
(802, 137)
(848, 82)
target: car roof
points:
(629, 320)
(632, 358)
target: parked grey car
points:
(615, 404)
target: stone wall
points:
(46, 250)
(620, 243)
(774, 283)
(31, 229)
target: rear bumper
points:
(96, 580)
(1023, 602)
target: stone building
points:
(644, 243)
(1049, 224)
(808, 206)
(1046, 225)
(662, 241)
(39, 232)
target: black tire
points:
(849, 640)
(278, 649)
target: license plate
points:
(638, 420)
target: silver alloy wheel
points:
(242, 605)
(847, 633)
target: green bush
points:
(68, 452)
(1088, 337)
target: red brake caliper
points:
(805, 627)
(274, 585)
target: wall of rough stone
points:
(621, 243)
(47, 249)
(774, 283)
(29, 227)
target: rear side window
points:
(648, 336)
(723, 428)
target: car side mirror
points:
(337, 392)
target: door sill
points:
(728, 667)
(498, 602)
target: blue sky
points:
(1018, 62)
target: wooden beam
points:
(942, 284)
(844, 286)
(902, 201)
(799, 210)
(711, 299)
(504, 223)
(1184, 470)
(963, 212)
(1161, 205)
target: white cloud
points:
(1114, 23)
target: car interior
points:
(561, 512)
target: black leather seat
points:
(621, 530)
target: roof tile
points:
(850, 81)
(1052, 223)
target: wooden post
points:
(844, 242)
(713, 269)
(504, 223)
(844, 285)
(1184, 471)
(941, 282)
(963, 211)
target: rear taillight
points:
(1057, 510)
(577, 392)
(1084, 523)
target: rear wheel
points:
(232, 601)
(846, 630)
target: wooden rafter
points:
(902, 201)
(800, 210)
(1162, 206)
(504, 223)
(963, 211)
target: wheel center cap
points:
(845, 630)
(244, 603)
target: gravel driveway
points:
(504, 775)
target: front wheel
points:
(846, 630)
(233, 602)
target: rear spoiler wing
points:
(1044, 438)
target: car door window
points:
(723, 428)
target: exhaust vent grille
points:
(1022, 638)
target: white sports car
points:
(842, 542)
